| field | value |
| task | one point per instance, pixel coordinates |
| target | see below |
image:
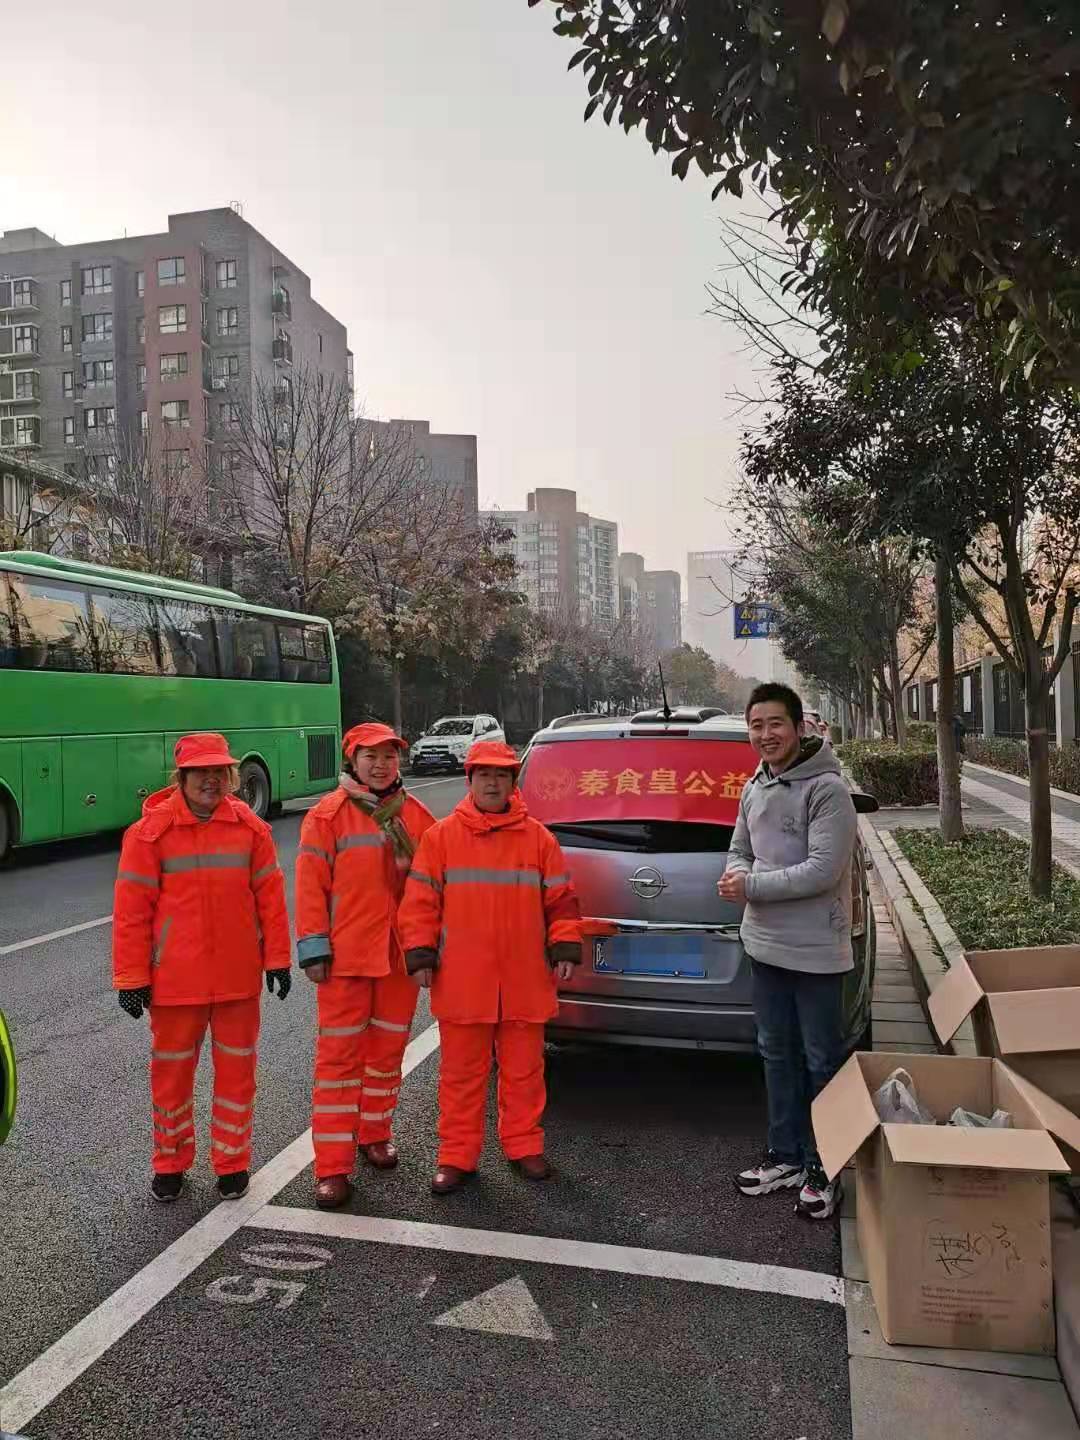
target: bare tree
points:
(39, 504)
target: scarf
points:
(385, 810)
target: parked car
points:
(446, 744)
(645, 810)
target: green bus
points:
(101, 671)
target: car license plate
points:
(677, 957)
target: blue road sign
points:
(754, 621)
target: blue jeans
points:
(800, 1036)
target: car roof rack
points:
(682, 714)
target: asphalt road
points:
(635, 1295)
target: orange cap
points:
(201, 751)
(372, 732)
(492, 752)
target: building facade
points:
(716, 582)
(651, 602)
(450, 460)
(153, 335)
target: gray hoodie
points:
(794, 841)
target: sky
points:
(503, 269)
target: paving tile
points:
(904, 1032)
(847, 1203)
(894, 979)
(891, 1401)
(865, 1338)
(907, 1048)
(854, 1267)
(892, 1010)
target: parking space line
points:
(55, 935)
(546, 1250)
(40, 1382)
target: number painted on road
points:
(262, 1287)
(271, 1255)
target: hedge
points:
(922, 734)
(894, 777)
(1012, 757)
(981, 884)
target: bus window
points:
(291, 640)
(248, 646)
(305, 653)
(187, 639)
(124, 641)
(317, 650)
(47, 624)
(9, 653)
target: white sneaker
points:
(771, 1174)
(820, 1197)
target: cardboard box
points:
(1025, 1009)
(954, 1224)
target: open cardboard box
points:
(1025, 1009)
(954, 1224)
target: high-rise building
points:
(568, 562)
(450, 460)
(652, 601)
(631, 586)
(152, 334)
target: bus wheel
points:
(255, 787)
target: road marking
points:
(427, 784)
(544, 1250)
(506, 1309)
(38, 1385)
(54, 935)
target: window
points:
(43, 625)
(226, 274)
(229, 416)
(97, 280)
(97, 327)
(67, 380)
(140, 376)
(65, 337)
(99, 417)
(97, 372)
(320, 344)
(173, 366)
(171, 272)
(65, 292)
(123, 633)
(172, 319)
(25, 339)
(26, 385)
(248, 646)
(227, 367)
(140, 284)
(176, 414)
(144, 422)
(69, 429)
(228, 320)
(305, 653)
(187, 639)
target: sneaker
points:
(820, 1197)
(166, 1188)
(231, 1187)
(771, 1174)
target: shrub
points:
(893, 776)
(922, 735)
(981, 884)
(1012, 757)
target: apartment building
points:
(450, 460)
(651, 601)
(568, 561)
(159, 335)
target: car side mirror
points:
(864, 804)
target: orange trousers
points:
(364, 1027)
(177, 1033)
(465, 1068)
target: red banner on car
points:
(645, 778)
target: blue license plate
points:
(675, 957)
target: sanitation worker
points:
(356, 846)
(199, 915)
(489, 919)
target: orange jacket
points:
(348, 886)
(199, 909)
(490, 893)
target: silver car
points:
(644, 809)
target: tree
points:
(927, 150)
(39, 505)
(691, 678)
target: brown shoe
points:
(448, 1178)
(380, 1153)
(534, 1167)
(332, 1192)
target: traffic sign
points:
(754, 621)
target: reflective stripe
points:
(172, 1054)
(331, 1135)
(375, 1114)
(343, 1029)
(165, 1149)
(217, 860)
(425, 880)
(354, 842)
(382, 1074)
(228, 1125)
(553, 881)
(159, 948)
(229, 1149)
(333, 1109)
(389, 1025)
(313, 947)
(369, 1090)
(175, 1129)
(232, 1104)
(234, 1049)
(172, 1114)
(315, 850)
(469, 876)
(137, 879)
(336, 1084)
(264, 872)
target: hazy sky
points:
(502, 268)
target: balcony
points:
(20, 387)
(282, 393)
(20, 432)
(19, 294)
(282, 349)
(282, 303)
(21, 342)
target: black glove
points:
(135, 1001)
(421, 959)
(564, 952)
(284, 982)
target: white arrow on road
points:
(506, 1309)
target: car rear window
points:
(640, 778)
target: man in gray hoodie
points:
(790, 865)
